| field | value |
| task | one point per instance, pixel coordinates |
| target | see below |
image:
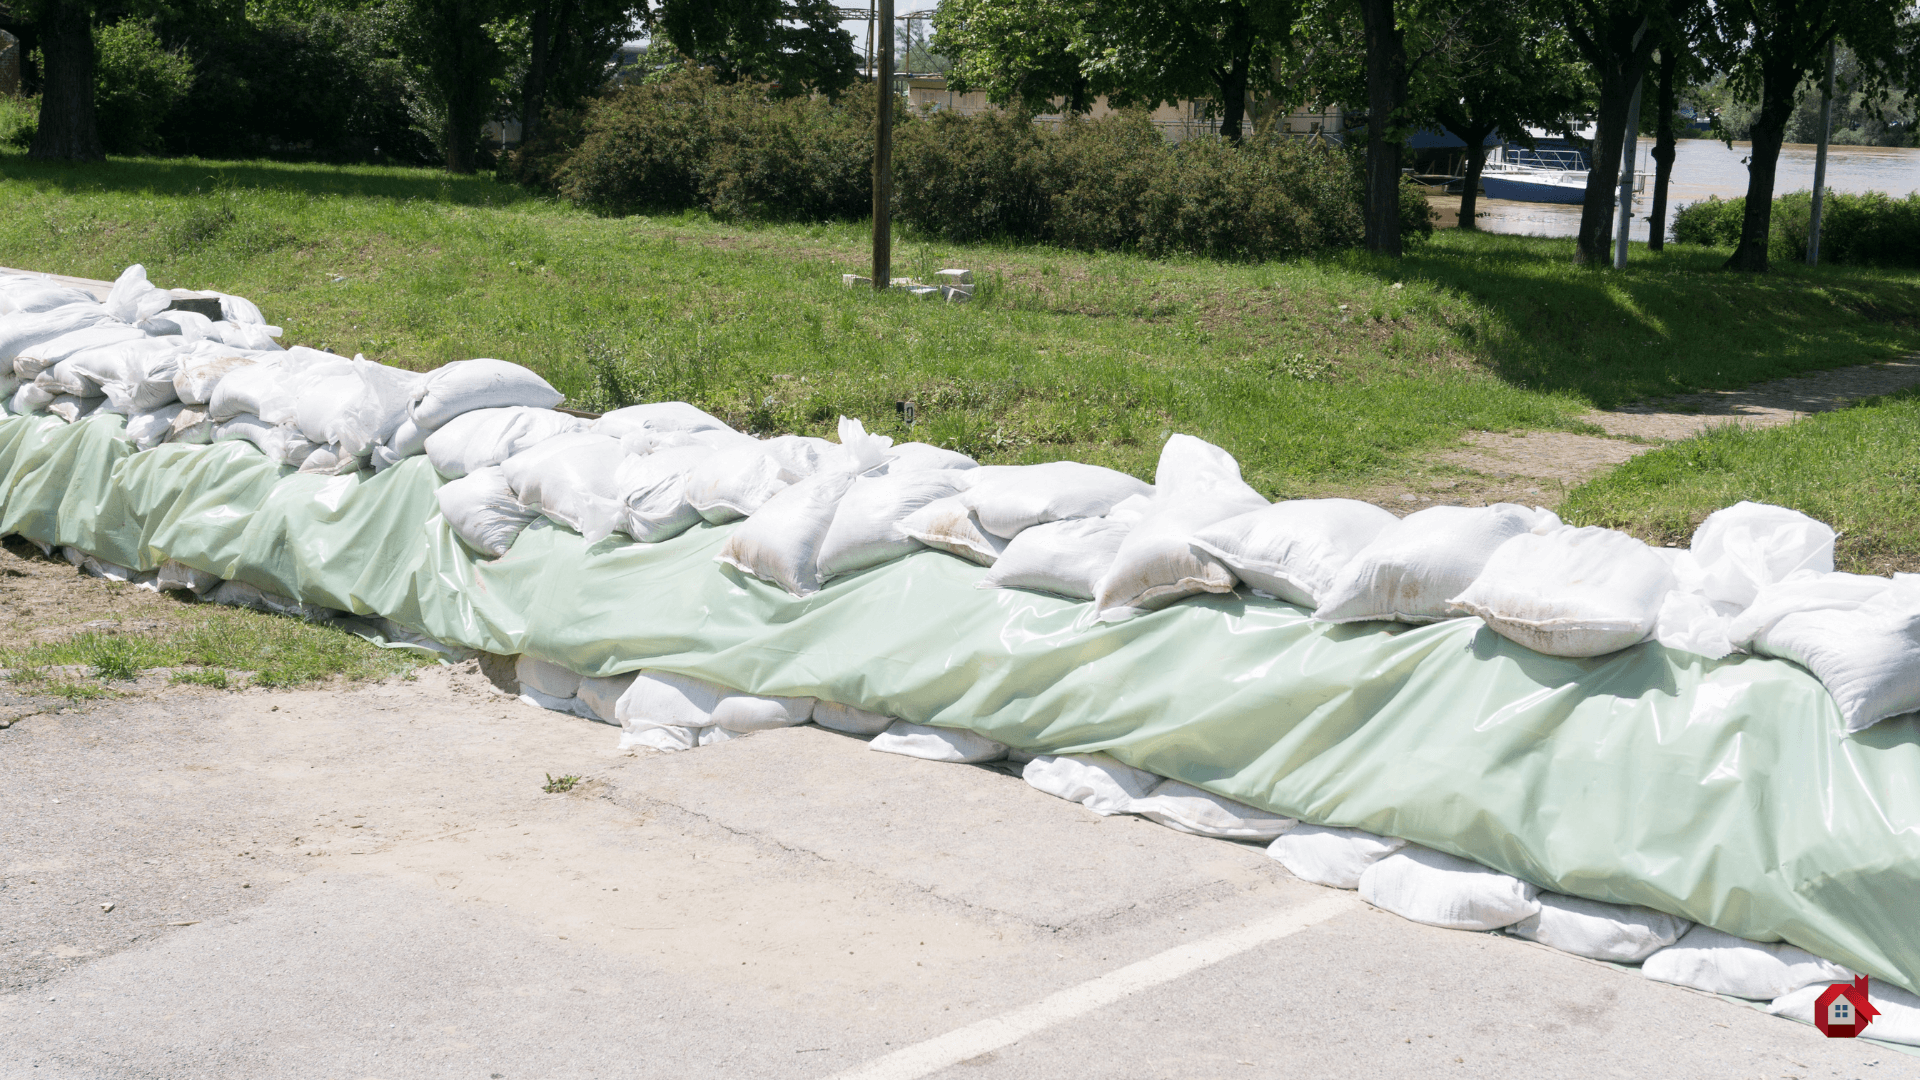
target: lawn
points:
(1328, 371)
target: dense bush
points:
(1869, 229)
(138, 85)
(19, 119)
(1110, 184)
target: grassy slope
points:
(1312, 372)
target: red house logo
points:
(1843, 1011)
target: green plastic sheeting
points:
(1723, 791)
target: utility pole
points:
(883, 152)
(1629, 149)
(1820, 163)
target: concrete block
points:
(924, 291)
(957, 294)
(955, 277)
(855, 281)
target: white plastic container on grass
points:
(1293, 551)
(1571, 592)
(1411, 570)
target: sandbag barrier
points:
(1220, 712)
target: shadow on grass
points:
(196, 176)
(1671, 322)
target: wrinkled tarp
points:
(1721, 791)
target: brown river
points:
(1703, 167)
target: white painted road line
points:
(926, 1058)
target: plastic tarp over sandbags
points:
(483, 510)
(1612, 932)
(1447, 735)
(484, 437)
(1571, 592)
(1331, 856)
(466, 385)
(1411, 570)
(1719, 963)
(1293, 550)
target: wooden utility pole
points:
(1820, 164)
(883, 152)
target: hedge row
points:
(1108, 184)
(1871, 229)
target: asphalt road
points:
(371, 883)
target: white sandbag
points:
(1067, 558)
(744, 713)
(1739, 550)
(1898, 1022)
(601, 695)
(1196, 485)
(93, 566)
(733, 483)
(781, 543)
(950, 525)
(1570, 592)
(1292, 551)
(1719, 963)
(486, 437)
(1866, 652)
(239, 310)
(656, 416)
(73, 409)
(1008, 498)
(191, 427)
(190, 325)
(200, 372)
(357, 407)
(178, 576)
(805, 455)
(658, 737)
(29, 398)
(331, 459)
(27, 330)
(1412, 569)
(937, 744)
(1617, 933)
(149, 429)
(653, 494)
(547, 677)
(540, 699)
(408, 440)
(482, 510)
(47, 361)
(44, 295)
(1192, 810)
(711, 439)
(866, 524)
(134, 298)
(1095, 781)
(250, 336)
(9, 385)
(272, 389)
(908, 457)
(1329, 855)
(281, 444)
(1438, 889)
(466, 385)
(845, 718)
(661, 698)
(572, 479)
(138, 379)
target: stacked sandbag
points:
(781, 541)
(349, 409)
(1720, 963)
(1616, 933)
(865, 531)
(666, 711)
(1439, 889)
(454, 390)
(1411, 571)
(955, 745)
(1329, 855)
(483, 511)
(572, 479)
(1294, 550)
(1570, 592)
(1734, 554)
(487, 437)
(1196, 485)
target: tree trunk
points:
(1777, 85)
(1470, 183)
(1663, 139)
(67, 129)
(533, 90)
(462, 136)
(1233, 83)
(1593, 246)
(1386, 90)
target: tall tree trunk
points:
(1233, 82)
(1470, 182)
(1594, 243)
(68, 131)
(463, 131)
(533, 89)
(1777, 85)
(1386, 91)
(1663, 139)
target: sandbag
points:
(26, 330)
(191, 427)
(482, 510)
(937, 744)
(572, 479)
(675, 712)
(665, 699)
(781, 543)
(1293, 550)
(179, 577)
(656, 416)
(199, 373)
(1570, 592)
(1860, 636)
(1195, 485)
(744, 713)
(44, 360)
(601, 695)
(134, 379)
(1747, 546)
(540, 699)
(29, 398)
(1412, 569)
(486, 437)
(272, 389)
(358, 407)
(190, 325)
(547, 677)
(73, 409)
(950, 525)
(1616, 933)
(653, 494)
(1331, 856)
(281, 444)
(1898, 1022)
(866, 523)
(133, 298)
(1067, 558)
(409, 440)
(1191, 810)
(149, 429)
(711, 439)
(845, 718)
(466, 385)
(1095, 781)
(733, 483)
(331, 459)
(908, 457)
(31, 297)
(1438, 889)
(1719, 963)
(1008, 498)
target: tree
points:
(1020, 54)
(452, 46)
(68, 129)
(1772, 46)
(568, 46)
(1386, 62)
(1617, 39)
(797, 45)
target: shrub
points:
(19, 120)
(646, 146)
(1107, 168)
(1869, 229)
(1267, 198)
(138, 83)
(1714, 222)
(793, 159)
(979, 177)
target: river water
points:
(1703, 167)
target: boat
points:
(1552, 170)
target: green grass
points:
(276, 651)
(1857, 469)
(1315, 373)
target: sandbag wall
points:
(791, 579)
